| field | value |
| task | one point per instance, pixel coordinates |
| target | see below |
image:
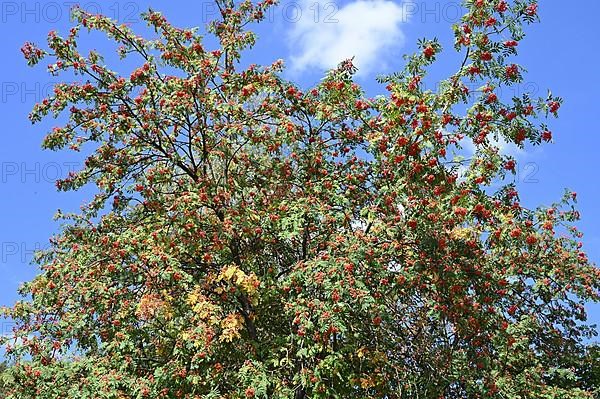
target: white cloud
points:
(369, 30)
(504, 147)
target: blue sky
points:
(561, 54)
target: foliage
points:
(251, 239)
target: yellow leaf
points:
(362, 352)
(463, 233)
(240, 276)
(251, 284)
(228, 272)
(366, 383)
(231, 326)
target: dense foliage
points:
(253, 239)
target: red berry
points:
(429, 52)
(486, 56)
(547, 136)
(490, 22)
(531, 10)
(531, 239)
(509, 165)
(492, 98)
(502, 6)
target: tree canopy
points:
(254, 239)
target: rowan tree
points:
(253, 239)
